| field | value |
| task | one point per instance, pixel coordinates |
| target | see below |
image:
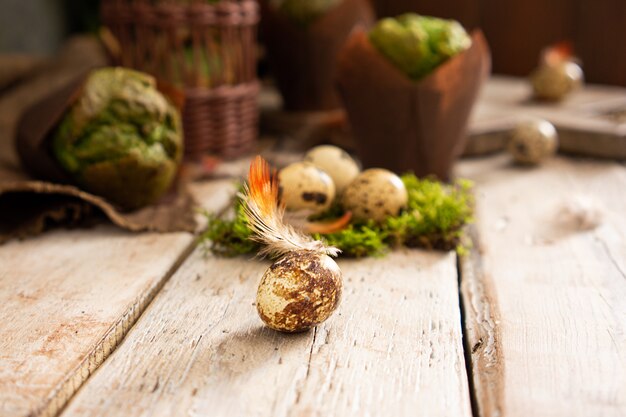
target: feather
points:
(299, 220)
(265, 216)
(327, 227)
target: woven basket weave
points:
(208, 50)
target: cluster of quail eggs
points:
(328, 174)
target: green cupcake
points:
(122, 139)
(418, 44)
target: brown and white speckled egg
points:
(306, 187)
(555, 82)
(336, 162)
(299, 291)
(375, 194)
(533, 141)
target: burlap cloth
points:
(35, 194)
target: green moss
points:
(434, 219)
(358, 240)
(435, 215)
(229, 237)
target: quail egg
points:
(299, 291)
(533, 141)
(555, 82)
(306, 187)
(335, 162)
(375, 194)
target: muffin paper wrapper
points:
(406, 125)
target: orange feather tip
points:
(557, 53)
(332, 226)
(263, 185)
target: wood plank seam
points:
(59, 398)
(481, 334)
(466, 345)
(610, 255)
(111, 340)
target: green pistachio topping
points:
(417, 44)
(121, 139)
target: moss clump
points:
(229, 237)
(434, 219)
(435, 215)
(357, 241)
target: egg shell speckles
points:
(533, 141)
(557, 81)
(299, 291)
(336, 162)
(375, 194)
(306, 187)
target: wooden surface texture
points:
(67, 298)
(544, 301)
(393, 348)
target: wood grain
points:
(67, 298)
(544, 303)
(393, 347)
(600, 32)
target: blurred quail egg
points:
(306, 187)
(554, 82)
(375, 194)
(335, 162)
(533, 141)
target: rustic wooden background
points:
(103, 322)
(518, 29)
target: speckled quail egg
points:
(299, 291)
(375, 194)
(555, 82)
(306, 187)
(335, 162)
(533, 141)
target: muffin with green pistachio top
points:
(121, 139)
(417, 44)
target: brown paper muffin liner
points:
(303, 58)
(47, 196)
(404, 125)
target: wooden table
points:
(103, 322)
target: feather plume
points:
(265, 216)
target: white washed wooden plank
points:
(68, 297)
(544, 304)
(393, 347)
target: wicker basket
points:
(208, 50)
